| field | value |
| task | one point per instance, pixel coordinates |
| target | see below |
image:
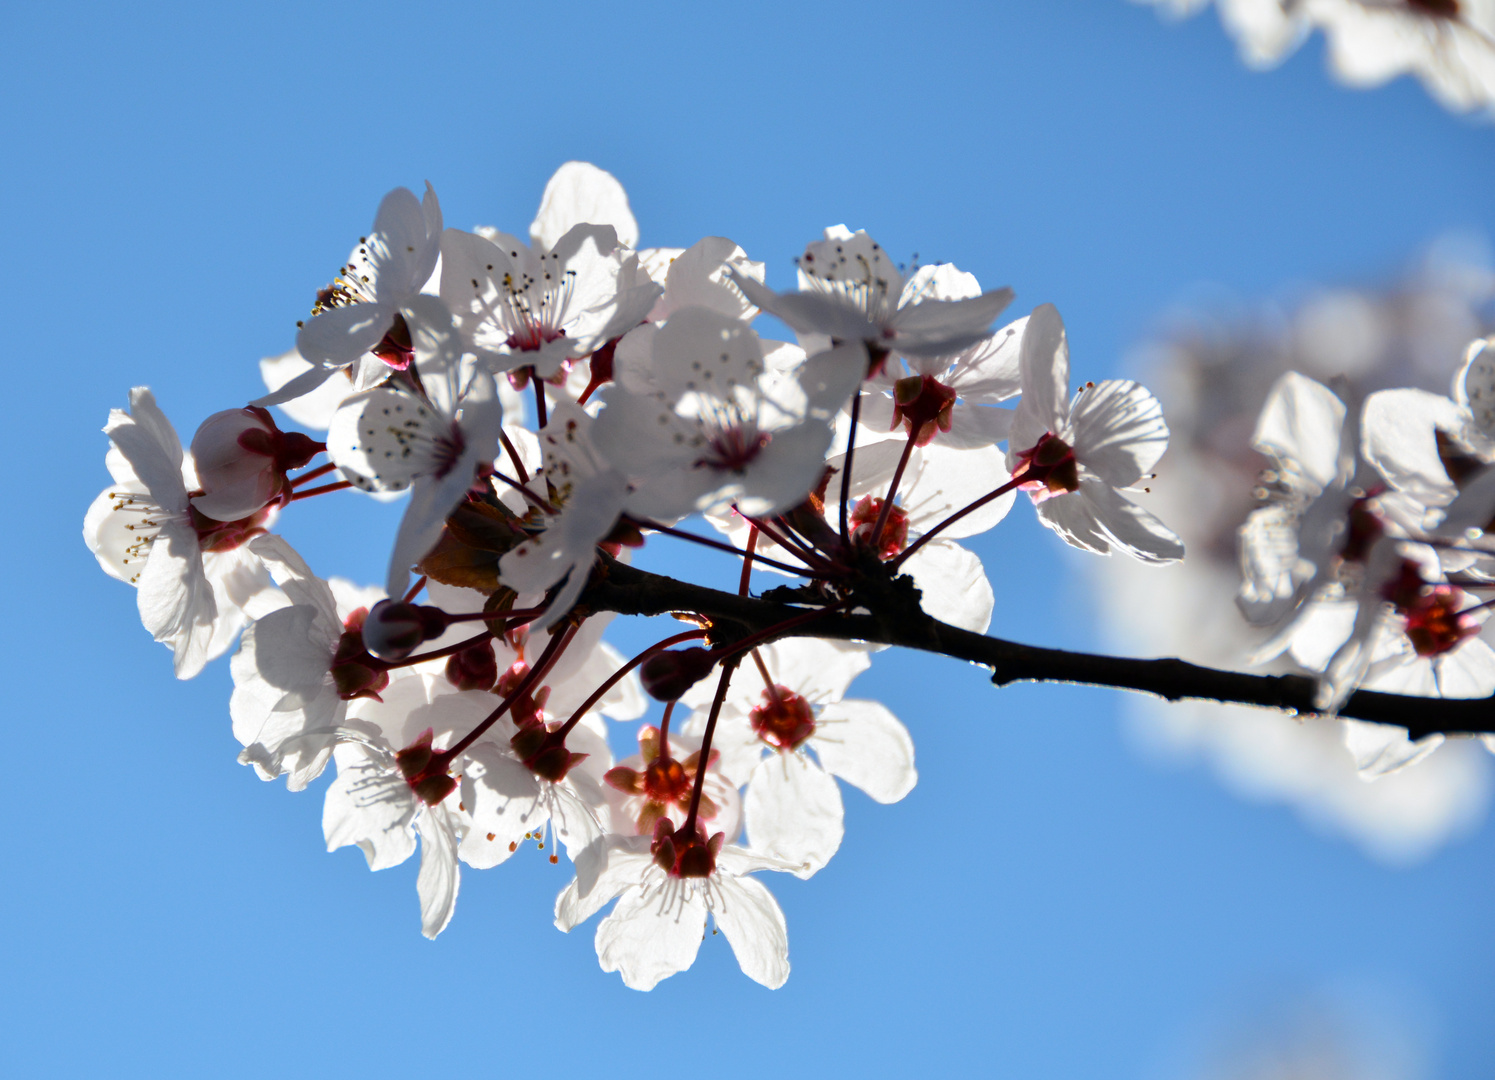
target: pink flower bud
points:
(394, 630)
(242, 459)
(474, 668)
(667, 675)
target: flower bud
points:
(241, 459)
(667, 675)
(394, 630)
(474, 668)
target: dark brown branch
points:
(894, 618)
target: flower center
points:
(1435, 622)
(894, 531)
(784, 720)
(536, 308)
(1048, 469)
(733, 449)
(225, 535)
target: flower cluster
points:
(1372, 557)
(1214, 366)
(468, 705)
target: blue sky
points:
(180, 179)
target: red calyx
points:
(684, 854)
(424, 769)
(924, 405)
(1365, 528)
(1049, 468)
(544, 753)
(395, 348)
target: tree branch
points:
(893, 617)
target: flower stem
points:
(542, 666)
(703, 760)
(323, 490)
(953, 518)
(887, 503)
(654, 526)
(851, 439)
(613, 679)
(503, 437)
(320, 470)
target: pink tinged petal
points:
(1097, 518)
(1301, 422)
(753, 924)
(372, 807)
(581, 193)
(652, 934)
(176, 599)
(1044, 362)
(953, 585)
(794, 812)
(865, 744)
(149, 443)
(436, 884)
(1382, 749)
(336, 338)
(779, 478)
(1398, 435)
(1119, 432)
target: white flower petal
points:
(864, 744)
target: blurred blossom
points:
(1346, 1031)
(1447, 44)
(1213, 365)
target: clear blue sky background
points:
(179, 179)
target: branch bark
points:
(893, 617)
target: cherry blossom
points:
(437, 444)
(1081, 453)
(377, 301)
(851, 291)
(666, 886)
(720, 428)
(197, 585)
(768, 731)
